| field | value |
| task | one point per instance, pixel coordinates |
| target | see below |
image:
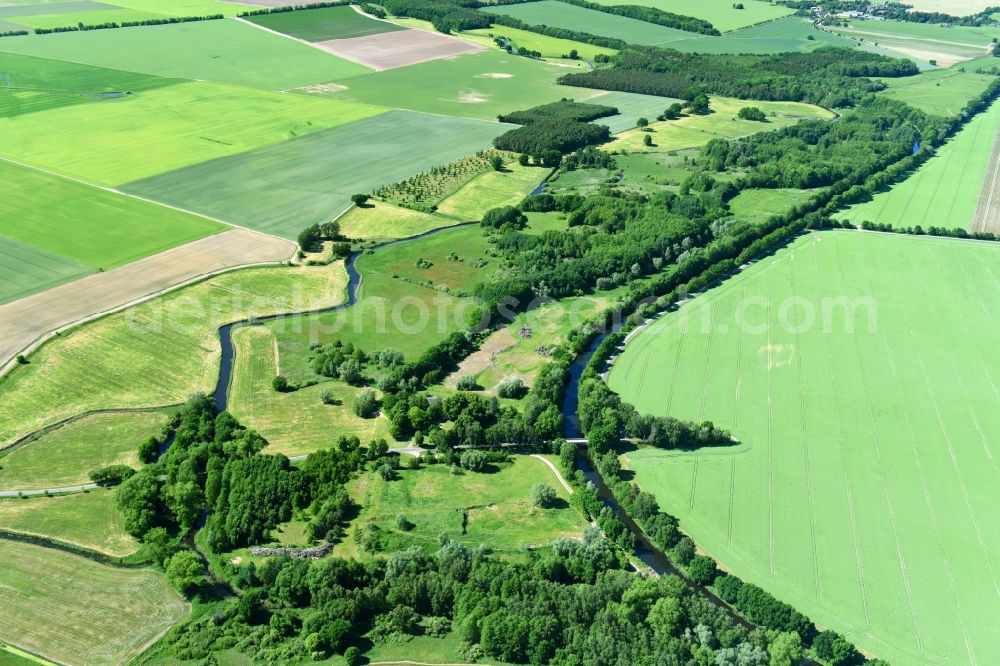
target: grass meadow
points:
(692, 131)
(631, 107)
(185, 124)
(945, 189)
(317, 25)
(943, 92)
(758, 205)
(82, 612)
(156, 353)
(792, 33)
(283, 188)
(720, 13)
(89, 225)
(297, 422)
(479, 85)
(228, 51)
(89, 519)
(497, 503)
(380, 220)
(863, 488)
(491, 190)
(66, 455)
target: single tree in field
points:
(647, 140)
(280, 384)
(496, 162)
(359, 200)
(699, 105)
(542, 495)
(185, 572)
(642, 123)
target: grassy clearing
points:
(864, 496)
(758, 206)
(492, 189)
(571, 17)
(88, 519)
(500, 513)
(311, 178)
(110, 143)
(34, 84)
(156, 353)
(78, 611)
(695, 131)
(379, 220)
(65, 456)
(317, 25)
(400, 304)
(631, 107)
(479, 85)
(88, 225)
(227, 51)
(720, 13)
(780, 36)
(25, 269)
(943, 92)
(296, 422)
(549, 47)
(945, 189)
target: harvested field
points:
(387, 50)
(25, 321)
(987, 215)
(81, 612)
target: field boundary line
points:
(984, 216)
(847, 479)
(301, 41)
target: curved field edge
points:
(80, 611)
(156, 353)
(862, 499)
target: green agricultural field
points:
(862, 489)
(156, 353)
(66, 455)
(571, 17)
(79, 611)
(780, 36)
(944, 191)
(497, 505)
(227, 51)
(720, 13)
(491, 190)
(25, 269)
(943, 92)
(297, 422)
(110, 143)
(400, 304)
(88, 519)
(32, 84)
(378, 220)
(186, 7)
(311, 178)
(86, 17)
(549, 47)
(692, 131)
(631, 107)
(479, 85)
(11, 656)
(758, 206)
(925, 41)
(317, 25)
(88, 225)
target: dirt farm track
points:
(27, 321)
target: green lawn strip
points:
(592, 21)
(478, 85)
(722, 14)
(88, 519)
(185, 124)
(497, 503)
(89, 225)
(942, 92)
(944, 190)
(74, 610)
(865, 474)
(12, 656)
(64, 456)
(228, 51)
(491, 190)
(25, 269)
(156, 353)
(297, 422)
(758, 206)
(283, 188)
(317, 25)
(29, 84)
